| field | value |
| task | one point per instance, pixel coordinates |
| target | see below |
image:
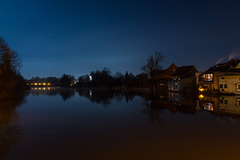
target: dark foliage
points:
(104, 79)
(66, 80)
(11, 81)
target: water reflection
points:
(173, 102)
(154, 103)
(105, 97)
(82, 130)
(221, 105)
(65, 93)
(10, 130)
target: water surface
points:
(54, 123)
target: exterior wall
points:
(174, 85)
(188, 84)
(229, 84)
(161, 85)
(183, 85)
(197, 75)
(215, 81)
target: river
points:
(54, 123)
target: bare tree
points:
(153, 63)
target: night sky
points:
(75, 37)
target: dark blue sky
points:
(75, 37)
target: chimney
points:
(236, 61)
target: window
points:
(221, 86)
(238, 86)
(208, 77)
(225, 86)
(222, 78)
(226, 101)
(221, 101)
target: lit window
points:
(208, 106)
(208, 77)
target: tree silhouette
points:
(66, 80)
(10, 79)
(153, 64)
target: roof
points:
(230, 66)
(172, 68)
(185, 71)
(165, 74)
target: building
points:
(229, 84)
(185, 79)
(162, 77)
(221, 78)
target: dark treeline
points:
(97, 79)
(105, 79)
(11, 81)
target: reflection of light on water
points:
(42, 88)
(208, 106)
(201, 96)
(90, 92)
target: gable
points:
(238, 66)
